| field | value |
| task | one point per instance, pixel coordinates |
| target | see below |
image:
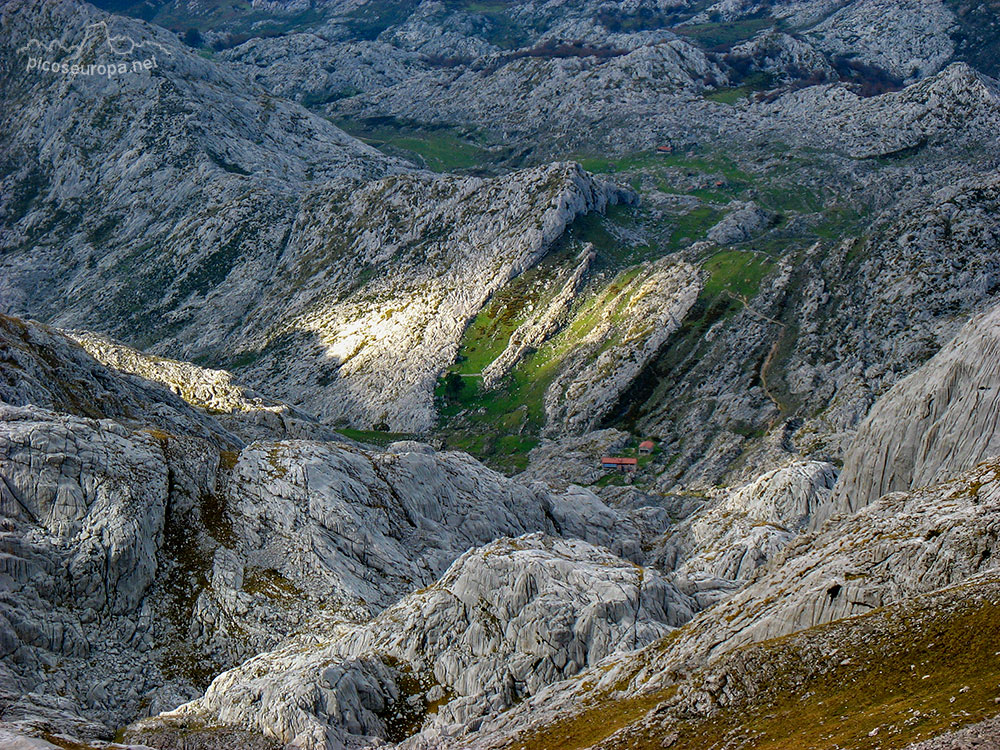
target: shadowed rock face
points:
(40, 366)
(245, 412)
(941, 420)
(88, 488)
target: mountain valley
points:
(544, 375)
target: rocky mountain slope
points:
(264, 550)
(270, 249)
(483, 65)
(176, 540)
(730, 676)
(919, 432)
(147, 547)
(504, 621)
(247, 267)
(275, 292)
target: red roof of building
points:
(647, 444)
(619, 460)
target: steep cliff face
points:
(845, 568)
(938, 421)
(758, 691)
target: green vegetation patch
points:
(840, 222)
(489, 333)
(693, 225)
(442, 152)
(439, 149)
(501, 424)
(747, 86)
(729, 95)
(604, 232)
(736, 272)
(685, 171)
(721, 36)
(770, 176)
(376, 437)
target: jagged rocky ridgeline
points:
(342, 280)
(788, 275)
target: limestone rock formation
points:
(744, 221)
(247, 413)
(747, 526)
(144, 545)
(909, 558)
(539, 328)
(86, 506)
(504, 621)
(764, 234)
(635, 320)
(933, 424)
(435, 249)
(956, 104)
